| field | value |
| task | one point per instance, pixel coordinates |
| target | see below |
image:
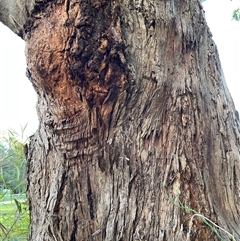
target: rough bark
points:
(134, 114)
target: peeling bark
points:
(134, 111)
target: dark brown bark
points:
(134, 112)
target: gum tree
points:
(137, 129)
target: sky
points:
(18, 99)
(17, 96)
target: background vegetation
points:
(236, 14)
(14, 216)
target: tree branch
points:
(14, 14)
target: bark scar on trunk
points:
(84, 58)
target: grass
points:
(14, 215)
(14, 221)
(209, 223)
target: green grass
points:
(209, 223)
(14, 215)
(14, 221)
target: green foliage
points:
(236, 14)
(14, 220)
(12, 161)
(14, 215)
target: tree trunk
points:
(137, 129)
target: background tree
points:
(236, 14)
(14, 216)
(12, 162)
(137, 128)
